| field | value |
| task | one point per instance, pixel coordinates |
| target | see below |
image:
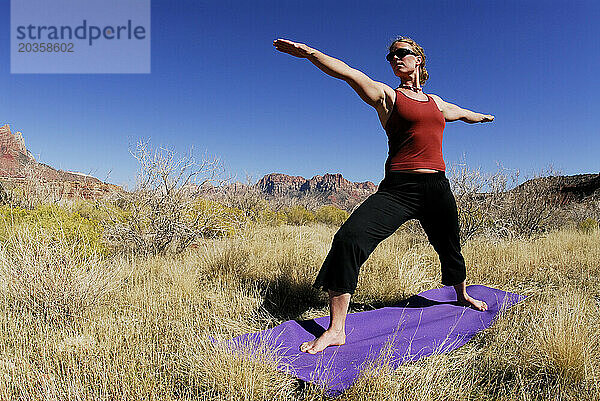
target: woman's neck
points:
(409, 82)
(411, 88)
(412, 80)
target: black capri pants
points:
(400, 197)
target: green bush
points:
(214, 219)
(588, 225)
(90, 210)
(271, 218)
(331, 215)
(72, 227)
(298, 215)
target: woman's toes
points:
(305, 346)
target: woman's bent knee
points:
(349, 234)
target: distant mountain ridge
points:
(17, 164)
(569, 187)
(335, 190)
(331, 189)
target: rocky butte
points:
(330, 188)
(18, 166)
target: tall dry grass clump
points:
(241, 372)
(50, 286)
(45, 274)
(438, 377)
(565, 331)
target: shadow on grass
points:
(286, 299)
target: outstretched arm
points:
(453, 112)
(372, 92)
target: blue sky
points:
(217, 84)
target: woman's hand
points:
(487, 118)
(293, 48)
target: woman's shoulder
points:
(389, 91)
(438, 100)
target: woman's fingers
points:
(292, 48)
(282, 41)
(281, 44)
(284, 45)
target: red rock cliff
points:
(17, 164)
(337, 190)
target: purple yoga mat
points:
(422, 325)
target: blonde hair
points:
(423, 74)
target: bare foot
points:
(329, 337)
(473, 303)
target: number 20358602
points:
(26, 47)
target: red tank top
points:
(414, 131)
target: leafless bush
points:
(166, 211)
(575, 213)
(478, 199)
(529, 208)
(414, 228)
(4, 195)
(486, 206)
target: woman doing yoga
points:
(414, 187)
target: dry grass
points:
(90, 328)
(50, 277)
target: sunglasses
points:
(400, 53)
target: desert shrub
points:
(478, 198)
(165, 212)
(251, 202)
(4, 195)
(309, 201)
(217, 220)
(91, 210)
(298, 215)
(271, 218)
(588, 225)
(331, 215)
(572, 214)
(245, 197)
(528, 209)
(414, 229)
(68, 226)
(487, 206)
